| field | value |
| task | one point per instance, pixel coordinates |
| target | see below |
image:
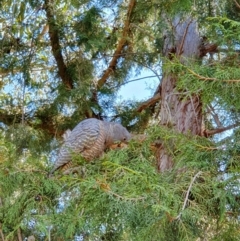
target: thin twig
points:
(215, 116)
(208, 78)
(187, 194)
(194, 111)
(200, 76)
(155, 72)
(133, 80)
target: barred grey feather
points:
(90, 138)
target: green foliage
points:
(227, 28)
(120, 196)
(90, 34)
(232, 11)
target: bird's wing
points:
(87, 138)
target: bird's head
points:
(116, 133)
(120, 133)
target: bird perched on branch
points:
(89, 139)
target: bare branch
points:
(150, 68)
(215, 116)
(149, 102)
(208, 48)
(220, 130)
(187, 194)
(56, 48)
(122, 42)
(133, 80)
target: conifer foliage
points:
(64, 61)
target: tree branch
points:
(237, 4)
(208, 48)
(46, 121)
(2, 235)
(187, 194)
(215, 116)
(149, 102)
(220, 130)
(19, 234)
(122, 42)
(56, 48)
(133, 80)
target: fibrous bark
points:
(179, 109)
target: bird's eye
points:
(124, 138)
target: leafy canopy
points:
(63, 61)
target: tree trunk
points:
(182, 113)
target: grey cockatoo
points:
(89, 139)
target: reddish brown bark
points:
(56, 48)
(179, 110)
(150, 102)
(121, 43)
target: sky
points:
(142, 87)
